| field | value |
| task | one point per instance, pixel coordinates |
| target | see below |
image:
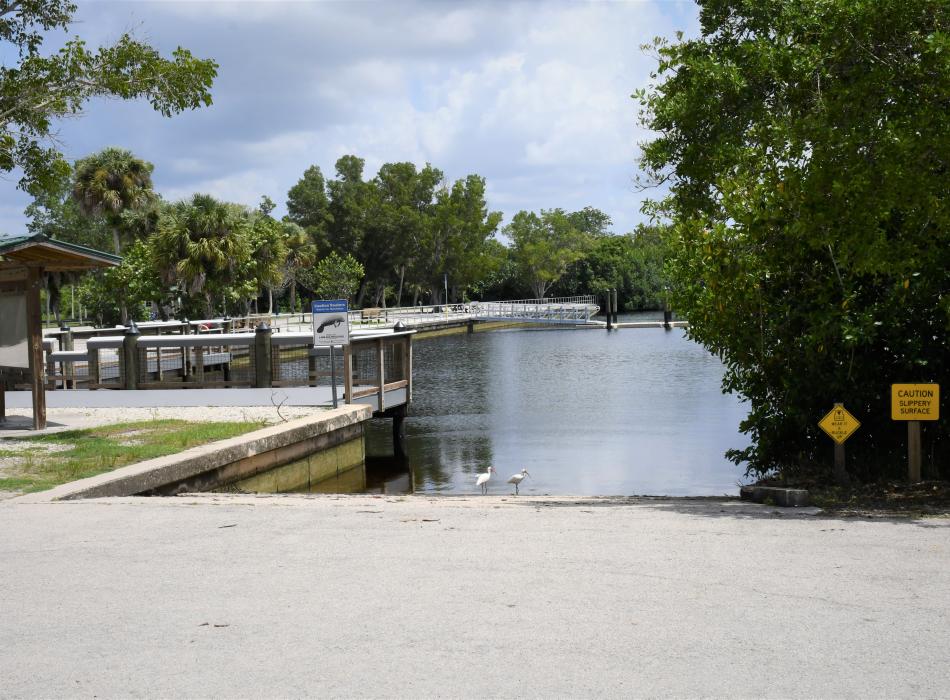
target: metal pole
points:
(333, 376)
(913, 451)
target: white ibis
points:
(518, 478)
(482, 480)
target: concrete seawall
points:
(228, 461)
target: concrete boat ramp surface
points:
(361, 596)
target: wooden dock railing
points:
(376, 364)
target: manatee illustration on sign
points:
(330, 322)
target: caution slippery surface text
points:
(915, 401)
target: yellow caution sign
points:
(839, 424)
(915, 401)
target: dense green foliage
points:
(805, 147)
(334, 277)
(401, 237)
(632, 264)
(543, 247)
(40, 88)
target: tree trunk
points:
(270, 300)
(415, 296)
(402, 274)
(361, 294)
(293, 295)
(123, 309)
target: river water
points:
(586, 412)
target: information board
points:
(331, 324)
(14, 349)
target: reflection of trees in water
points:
(448, 427)
(447, 457)
(433, 456)
(388, 475)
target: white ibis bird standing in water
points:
(482, 480)
(518, 478)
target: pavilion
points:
(23, 261)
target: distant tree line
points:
(403, 237)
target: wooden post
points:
(95, 377)
(262, 356)
(348, 373)
(840, 474)
(408, 341)
(615, 305)
(610, 324)
(399, 432)
(199, 365)
(130, 369)
(913, 451)
(34, 334)
(381, 357)
(66, 343)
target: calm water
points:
(636, 411)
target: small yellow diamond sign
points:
(839, 424)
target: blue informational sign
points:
(329, 306)
(331, 324)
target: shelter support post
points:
(34, 332)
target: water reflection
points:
(586, 412)
(389, 475)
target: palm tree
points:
(111, 182)
(201, 245)
(301, 254)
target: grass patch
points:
(59, 458)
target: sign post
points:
(914, 403)
(331, 327)
(839, 425)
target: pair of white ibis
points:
(515, 479)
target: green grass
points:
(84, 453)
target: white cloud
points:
(533, 96)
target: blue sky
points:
(533, 96)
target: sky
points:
(533, 96)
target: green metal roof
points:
(18, 248)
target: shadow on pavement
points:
(730, 507)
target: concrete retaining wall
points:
(226, 461)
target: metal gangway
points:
(558, 310)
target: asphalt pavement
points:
(404, 597)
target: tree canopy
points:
(42, 88)
(545, 245)
(805, 149)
